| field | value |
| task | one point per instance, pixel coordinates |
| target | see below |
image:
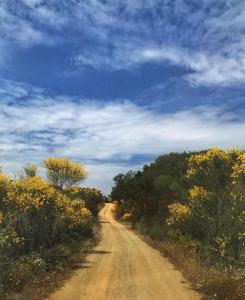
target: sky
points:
(112, 84)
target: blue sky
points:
(113, 84)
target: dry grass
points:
(216, 283)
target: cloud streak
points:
(206, 38)
(156, 43)
(106, 136)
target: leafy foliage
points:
(216, 202)
(36, 216)
(92, 197)
(29, 170)
(63, 172)
(148, 193)
(196, 200)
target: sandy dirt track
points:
(124, 267)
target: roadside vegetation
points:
(191, 206)
(43, 224)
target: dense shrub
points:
(39, 214)
(41, 224)
(92, 197)
(214, 210)
(63, 172)
(192, 205)
(16, 273)
(56, 256)
(4, 188)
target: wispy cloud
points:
(206, 70)
(206, 37)
(104, 135)
(27, 22)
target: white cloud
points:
(207, 70)
(102, 174)
(26, 22)
(105, 136)
(32, 3)
(208, 39)
(17, 29)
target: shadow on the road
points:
(80, 265)
(97, 252)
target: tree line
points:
(194, 199)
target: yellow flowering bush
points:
(31, 193)
(77, 214)
(239, 167)
(73, 190)
(198, 193)
(42, 223)
(178, 213)
(216, 203)
(213, 165)
(41, 214)
(63, 172)
(4, 187)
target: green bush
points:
(10, 242)
(56, 256)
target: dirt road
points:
(124, 267)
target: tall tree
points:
(63, 172)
